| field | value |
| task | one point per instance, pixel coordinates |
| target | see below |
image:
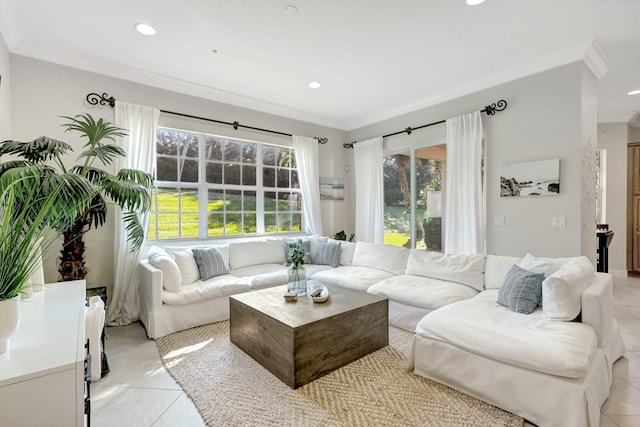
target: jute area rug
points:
(230, 389)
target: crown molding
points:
(596, 60)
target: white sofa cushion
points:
(496, 268)
(537, 265)
(423, 292)
(346, 254)
(459, 268)
(199, 290)
(244, 254)
(187, 263)
(351, 276)
(562, 290)
(262, 275)
(481, 326)
(159, 258)
(392, 259)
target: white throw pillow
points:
(496, 268)
(187, 264)
(346, 256)
(245, 254)
(160, 259)
(562, 290)
(537, 265)
(381, 257)
(467, 269)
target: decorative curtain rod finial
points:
(349, 144)
(496, 106)
(321, 140)
(104, 99)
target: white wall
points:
(634, 134)
(543, 121)
(613, 138)
(41, 92)
(5, 91)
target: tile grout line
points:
(167, 408)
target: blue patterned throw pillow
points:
(521, 290)
(328, 253)
(210, 262)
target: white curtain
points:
(306, 150)
(139, 144)
(369, 190)
(464, 199)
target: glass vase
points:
(297, 280)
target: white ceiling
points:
(375, 58)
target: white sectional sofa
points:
(552, 366)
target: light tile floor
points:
(140, 392)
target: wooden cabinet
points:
(633, 208)
(42, 374)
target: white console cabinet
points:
(42, 373)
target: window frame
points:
(202, 188)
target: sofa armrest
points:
(597, 312)
(150, 288)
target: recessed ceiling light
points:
(145, 29)
(634, 92)
(290, 9)
(474, 2)
(315, 85)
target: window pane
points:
(250, 223)
(296, 201)
(293, 160)
(189, 225)
(234, 223)
(231, 174)
(168, 226)
(189, 201)
(429, 200)
(283, 202)
(270, 202)
(215, 226)
(283, 158)
(397, 199)
(249, 201)
(268, 155)
(167, 200)
(216, 201)
(214, 173)
(213, 149)
(249, 153)
(151, 233)
(232, 151)
(167, 168)
(188, 145)
(283, 178)
(268, 177)
(295, 183)
(248, 175)
(297, 222)
(284, 222)
(234, 200)
(166, 143)
(189, 170)
(270, 223)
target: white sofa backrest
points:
(392, 259)
(496, 268)
(244, 254)
(466, 269)
(562, 290)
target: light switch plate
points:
(559, 222)
(498, 220)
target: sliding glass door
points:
(414, 197)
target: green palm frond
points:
(39, 150)
(135, 230)
(94, 130)
(105, 153)
(94, 175)
(137, 176)
(128, 195)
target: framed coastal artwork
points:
(541, 178)
(331, 189)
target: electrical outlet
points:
(498, 220)
(559, 222)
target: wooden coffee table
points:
(301, 341)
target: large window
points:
(413, 197)
(213, 186)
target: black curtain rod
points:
(104, 99)
(489, 109)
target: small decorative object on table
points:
(297, 274)
(319, 293)
(291, 297)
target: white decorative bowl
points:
(324, 294)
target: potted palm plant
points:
(33, 200)
(130, 189)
